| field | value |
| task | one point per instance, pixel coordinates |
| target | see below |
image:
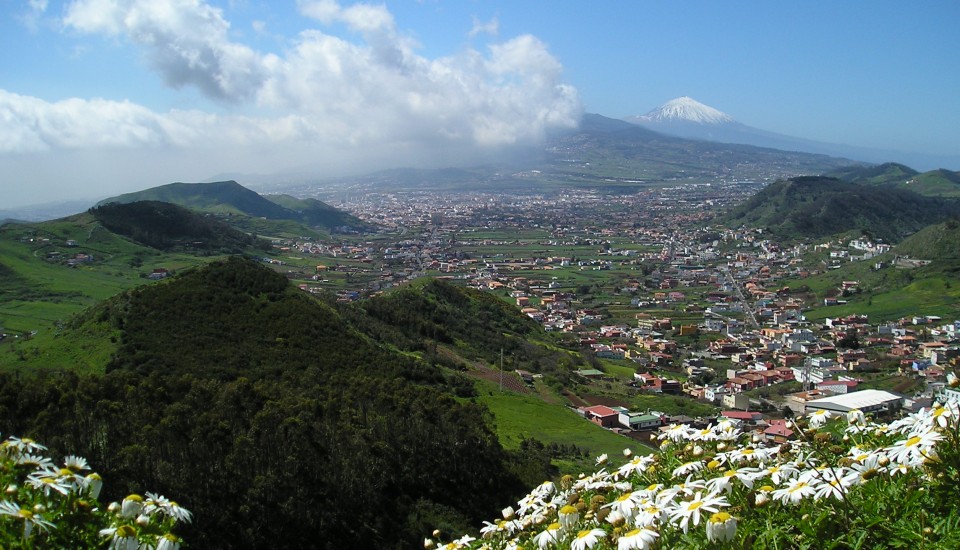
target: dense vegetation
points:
(167, 227)
(814, 207)
(230, 198)
(888, 173)
(935, 183)
(935, 242)
(433, 315)
(280, 424)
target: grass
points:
(935, 295)
(526, 416)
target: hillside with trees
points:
(273, 416)
(934, 183)
(229, 198)
(814, 207)
(168, 227)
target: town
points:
(660, 300)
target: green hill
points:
(317, 213)
(941, 183)
(935, 242)
(278, 422)
(167, 227)
(890, 173)
(935, 183)
(229, 198)
(815, 207)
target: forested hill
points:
(166, 226)
(936, 242)
(273, 419)
(816, 207)
(935, 183)
(231, 198)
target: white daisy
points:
(915, 449)
(794, 493)
(689, 511)
(638, 539)
(587, 539)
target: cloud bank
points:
(323, 100)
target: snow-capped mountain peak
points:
(687, 109)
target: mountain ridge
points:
(815, 207)
(229, 198)
(728, 130)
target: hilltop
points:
(229, 198)
(815, 207)
(934, 183)
(935, 242)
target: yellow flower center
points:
(624, 496)
(912, 441)
(720, 517)
(694, 505)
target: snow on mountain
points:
(687, 118)
(686, 109)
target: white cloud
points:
(185, 40)
(324, 101)
(491, 27)
(359, 17)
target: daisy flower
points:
(638, 539)
(587, 539)
(818, 418)
(168, 542)
(48, 482)
(650, 515)
(779, 473)
(721, 527)
(688, 468)
(626, 503)
(855, 417)
(123, 537)
(568, 516)
(636, 466)
(915, 449)
(676, 432)
(797, 491)
(75, 463)
(29, 518)
(689, 511)
(724, 483)
(550, 535)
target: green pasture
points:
(516, 417)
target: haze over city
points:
(99, 97)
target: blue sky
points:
(103, 96)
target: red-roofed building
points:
(745, 416)
(601, 415)
(778, 431)
(837, 386)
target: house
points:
(778, 431)
(640, 421)
(736, 401)
(743, 416)
(601, 415)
